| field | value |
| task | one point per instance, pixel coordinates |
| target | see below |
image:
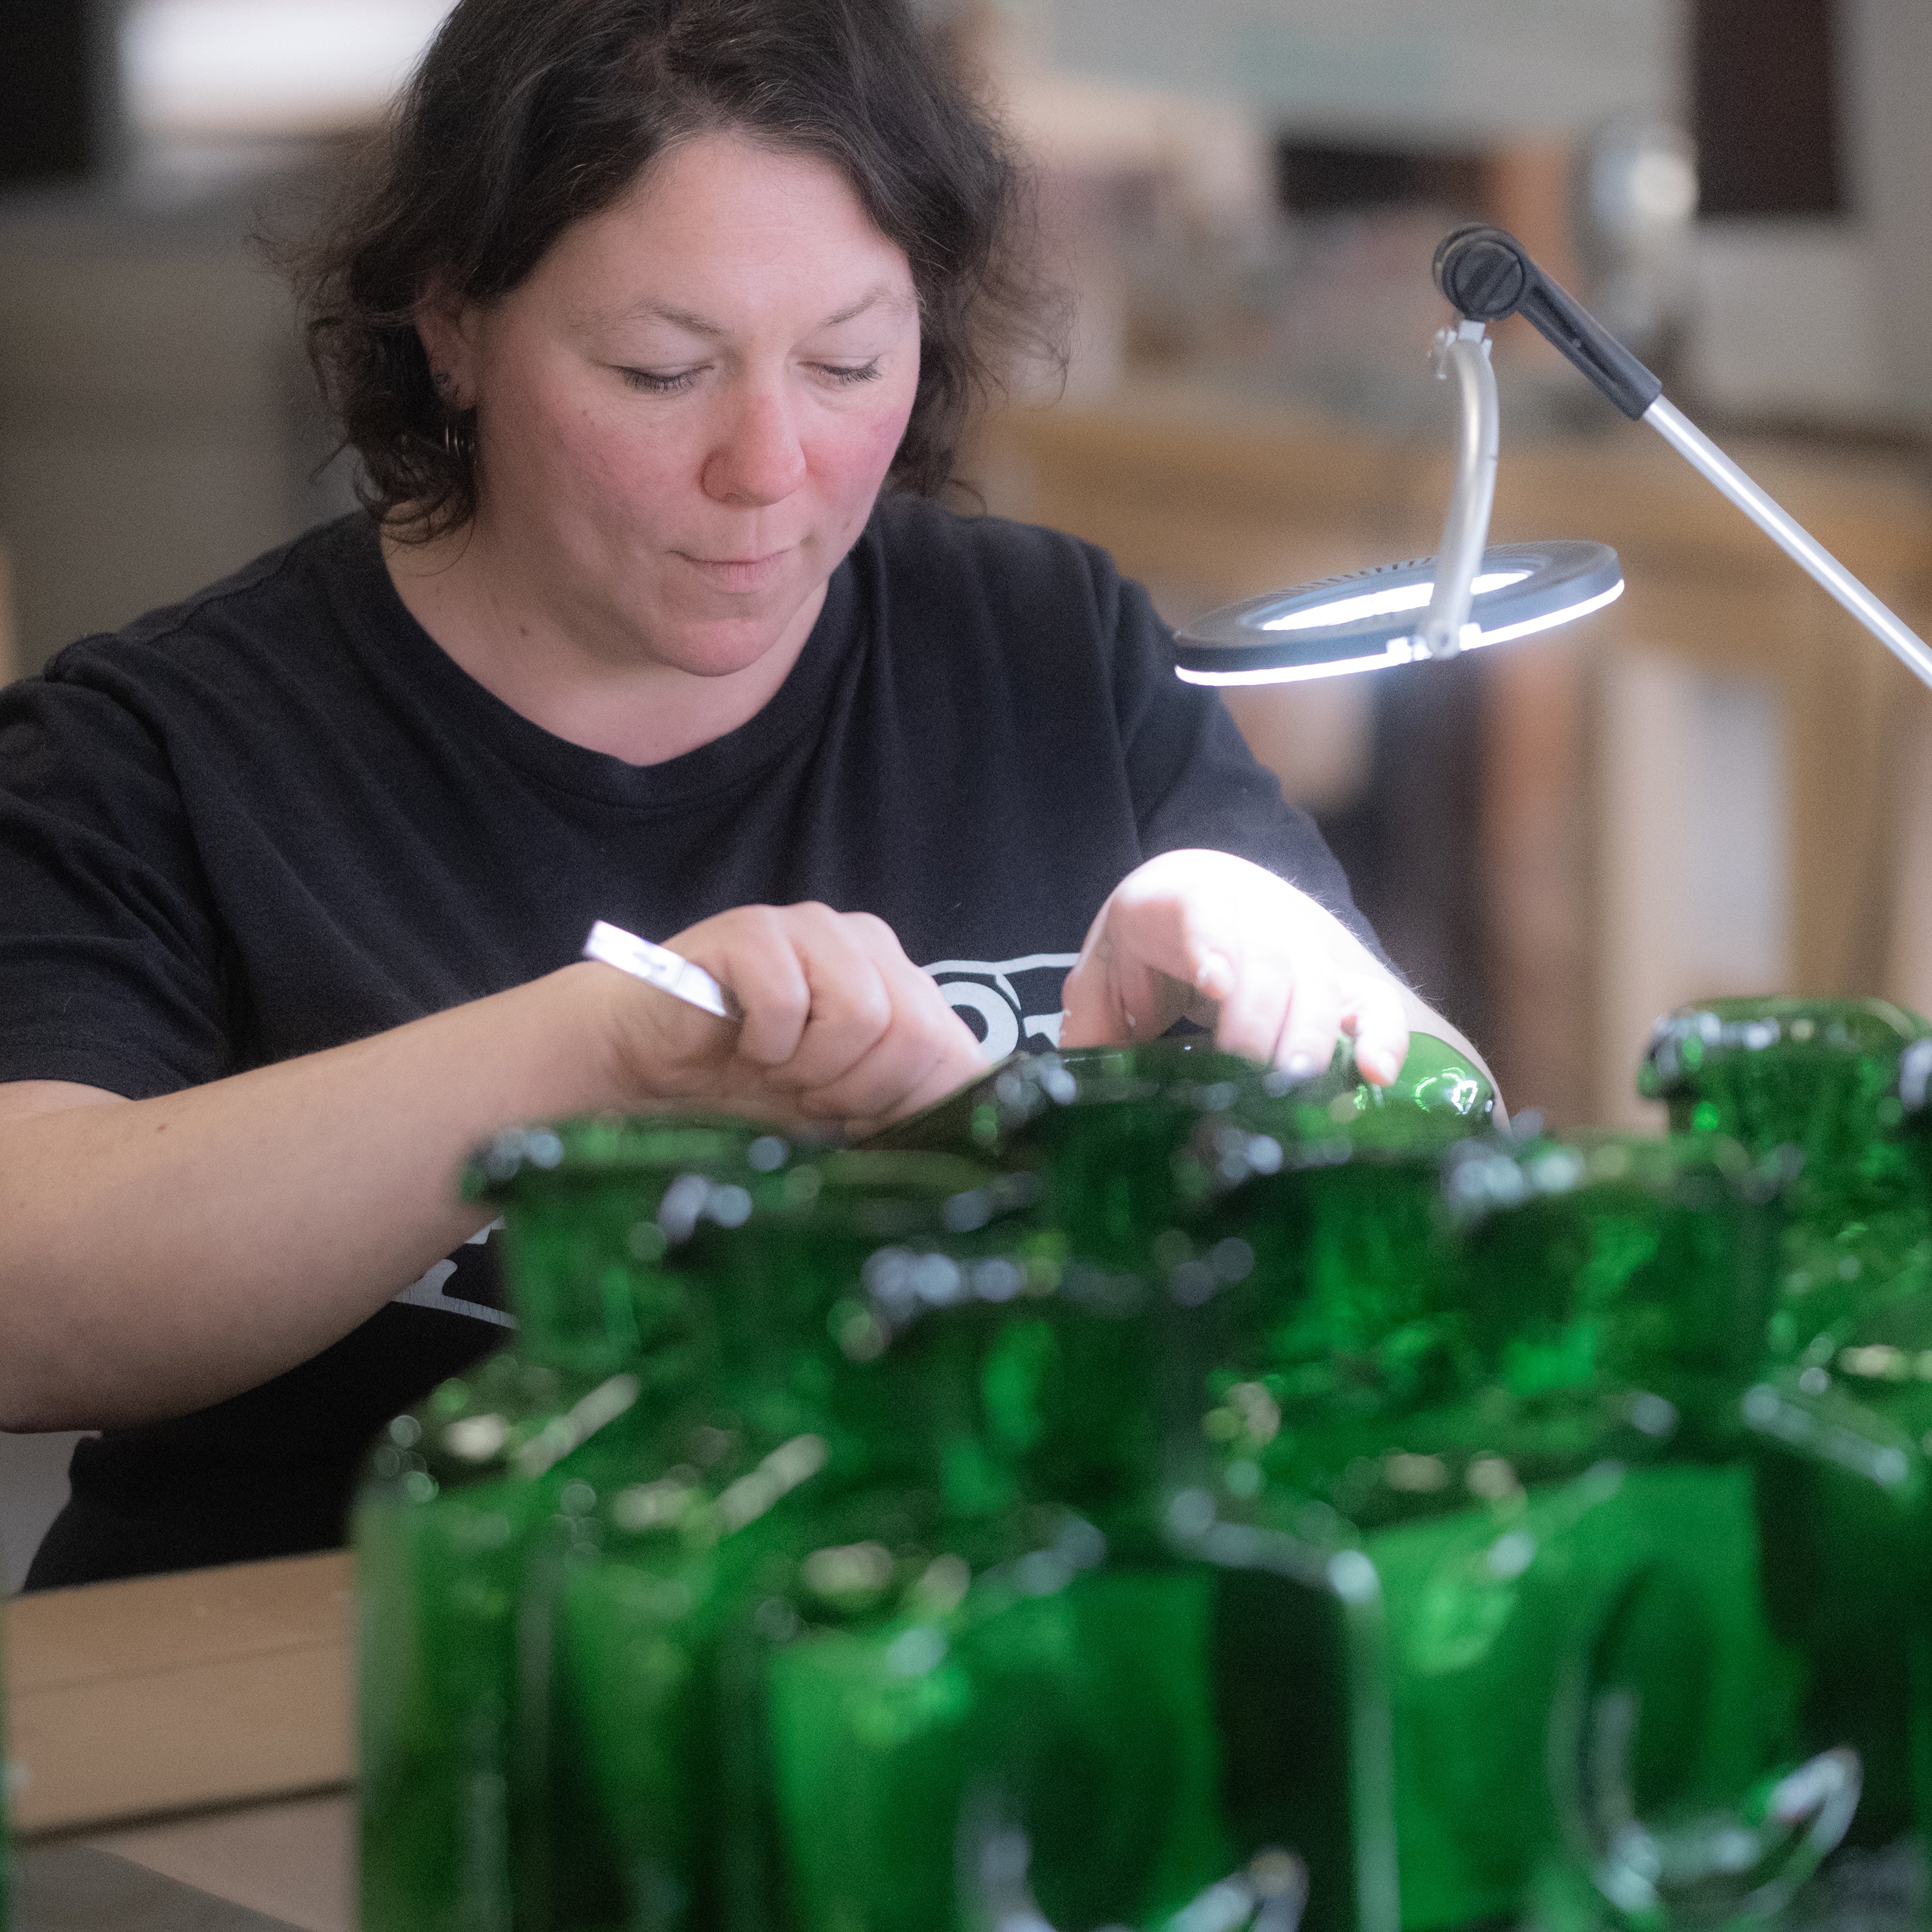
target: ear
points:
(446, 328)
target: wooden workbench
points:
(191, 1731)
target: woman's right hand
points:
(839, 1024)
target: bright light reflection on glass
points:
(1384, 603)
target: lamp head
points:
(1363, 623)
(1400, 613)
(1370, 620)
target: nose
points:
(758, 459)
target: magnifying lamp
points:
(1468, 595)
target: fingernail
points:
(1299, 1066)
(1385, 1067)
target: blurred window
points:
(45, 63)
(1766, 74)
(1321, 178)
(214, 69)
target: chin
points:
(720, 650)
(715, 639)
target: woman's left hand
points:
(1212, 938)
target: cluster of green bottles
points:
(1142, 1493)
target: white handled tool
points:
(658, 966)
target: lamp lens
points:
(1384, 603)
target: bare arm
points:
(160, 1254)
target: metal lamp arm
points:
(1791, 536)
(1465, 531)
(1488, 275)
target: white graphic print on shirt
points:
(427, 1291)
(1008, 1002)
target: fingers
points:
(1379, 1020)
(751, 951)
(1251, 990)
(1138, 972)
(1285, 1010)
(924, 1051)
(1312, 1026)
(811, 992)
(906, 1071)
(838, 1021)
(1093, 1013)
(850, 1008)
(1277, 976)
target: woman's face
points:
(686, 412)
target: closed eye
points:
(654, 384)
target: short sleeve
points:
(110, 954)
(1193, 779)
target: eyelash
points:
(848, 376)
(658, 386)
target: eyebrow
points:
(689, 320)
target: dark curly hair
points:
(525, 115)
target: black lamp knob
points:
(1484, 273)
(1487, 275)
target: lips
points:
(738, 574)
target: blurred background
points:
(1720, 785)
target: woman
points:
(657, 323)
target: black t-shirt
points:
(278, 818)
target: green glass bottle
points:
(1012, 1110)
(1098, 1127)
(457, 1490)
(1844, 1487)
(945, 1667)
(1057, 1738)
(1551, 1505)
(1607, 1269)
(1121, 1137)
(1844, 1499)
(785, 1440)
(458, 1494)
(1328, 1191)
(1329, 1275)
(1439, 1096)
(1819, 1077)
(1138, 1153)
(1012, 1599)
